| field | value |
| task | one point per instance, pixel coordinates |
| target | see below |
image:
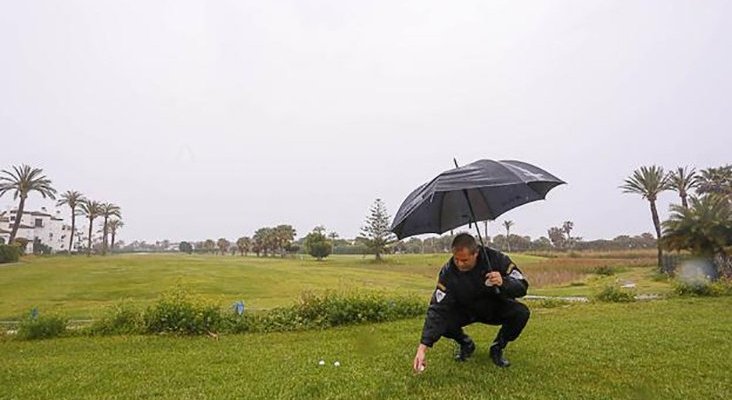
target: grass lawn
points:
(82, 287)
(667, 349)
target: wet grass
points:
(670, 349)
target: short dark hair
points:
(464, 241)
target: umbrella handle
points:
(477, 229)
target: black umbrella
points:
(482, 190)
(479, 191)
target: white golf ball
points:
(321, 362)
(337, 364)
(421, 368)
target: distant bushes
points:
(178, 312)
(9, 253)
(613, 294)
(122, 319)
(702, 288)
(36, 327)
(604, 270)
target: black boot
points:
(496, 352)
(467, 348)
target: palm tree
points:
(108, 210)
(567, 227)
(681, 181)
(716, 181)
(223, 245)
(23, 180)
(114, 225)
(508, 224)
(649, 182)
(90, 209)
(72, 199)
(244, 243)
(705, 228)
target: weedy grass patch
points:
(669, 349)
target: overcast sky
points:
(213, 118)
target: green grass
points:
(669, 349)
(82, 287)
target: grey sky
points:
(209, 119)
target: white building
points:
(42, 225)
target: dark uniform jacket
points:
(462, 297)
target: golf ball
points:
(321, 362)
(337, 364)
(421, 368)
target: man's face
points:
(464, 259)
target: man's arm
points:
(438, 312)
(435, 323)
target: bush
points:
(122, 319)
(604, 270)
(329, 309)
(180, 313)
(334, 309)
(550, 303)
(703, 288)
(614, 294)
(9, 253)
(41, 327)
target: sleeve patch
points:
(516, 274)
(439, 295)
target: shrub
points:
(615, 295)
(604, 270)
(333, 309)
(551, 303)
(318, 311)
(122, 319)
(9, 253)
(41, 327)
(180, 313)
(702, 288)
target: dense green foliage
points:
(615, 294)
(317, 244)
(179, 312)
(41, 326)
(9, 253)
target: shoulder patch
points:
(439, 295)
(516, 274)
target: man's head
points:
(464, 251)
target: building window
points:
(39, 223)
(12, 217)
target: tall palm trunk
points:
(111, 248)
(657, 225)
(508, 238)
(73, 225)
(18, 217)
(104, 236)
(89, 239)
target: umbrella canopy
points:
(492, 187)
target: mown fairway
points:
(81, 287)
(669, 349)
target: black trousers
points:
(511, 315)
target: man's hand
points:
(494, 278)
(419, 359)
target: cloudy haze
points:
(209, 119)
